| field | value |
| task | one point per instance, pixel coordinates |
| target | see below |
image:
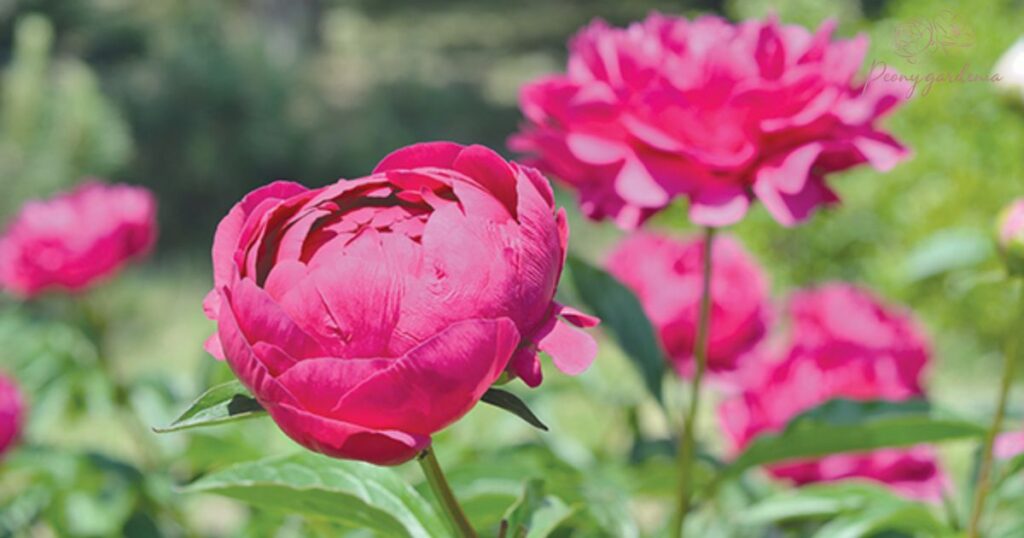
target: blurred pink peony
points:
(716, 112)
(369, 314)
(74, 240)
(844, 345)
(1009, 445)
(12, 410)
(838, 323)
(1010, 236)
(665, 274)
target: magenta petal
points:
(571, 349)
(436, 382)
(883, 152)
(576, 317)
(488, 169)
(789, 172)
(433, 154)
(595, 150)
(525, 364)
(319, 384)
(339, 439)
(213, 346)
(791, 209)
(719, 208)
(262, 320)
(636, 185)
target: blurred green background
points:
(203, 101)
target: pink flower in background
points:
(844, 345)
(839, 323)
(369, 314)
(74, 240)
(718, 113)
(665, 274)
(12, 410)
(1009, 445)
(1010, 236)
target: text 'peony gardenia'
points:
(371, 313)
(12, 410)
(844, 344)
(75, 239)
(665, 274)
(715, 112)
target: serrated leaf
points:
(511, 403)
(352, 493)
(840, 426)
(227, 402)
(621, 313)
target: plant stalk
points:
(439, 485)
(687, 443)
(981, 490)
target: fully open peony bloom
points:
(666, 276)
(844, 345)
(716, 112)
(1010, 236)
(369, 314)
(75, 239)
(12, 410)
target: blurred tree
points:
(55, 125)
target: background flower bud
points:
(1010, 236)
(12, 410)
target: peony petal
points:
(789, 172)
(262, 320)
(719, 208)
(426, 154)
(339, 439)
(319, 384)
(791, 209)
(525, 364)
(596, 150)
(571, 349)
(493, 173)
(435, 383)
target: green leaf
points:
(226, 402)
(511, 403)
(352, 493)
(854, 508)
(622, 315)
(841, 425)
(534, 514)
(947, 250)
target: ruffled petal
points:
(426, 154)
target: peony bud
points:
(1010, 236)
(1010, 69)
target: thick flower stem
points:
(981, 489)
(687, 443)
(443, 492)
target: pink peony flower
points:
(76, 239)
(1009, 445)
(666, 276)
(12, 410)
(844, 345)
(715, 112)
(839, 323)
(1010, 236)
(369, 314)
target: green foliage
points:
(227, 402)
(55, 124)
(849, 426)
(622, 315)
(355, 494)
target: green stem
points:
(443, 492)
(687, 443)
(985, 470)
